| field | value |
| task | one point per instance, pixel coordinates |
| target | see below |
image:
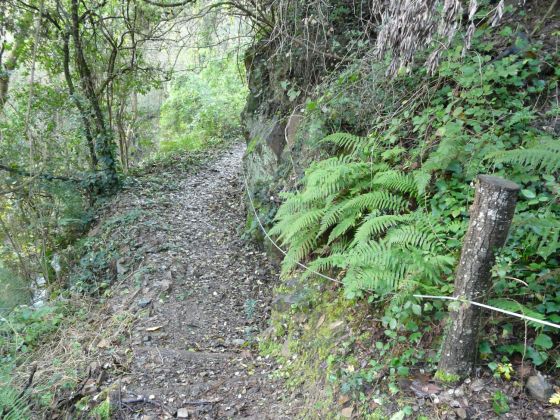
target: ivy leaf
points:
(544, 341)
(528, 194)
(293, 94)
(485, 348)
(537, 357)
(310, 106)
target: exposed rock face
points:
(279, 137)
(264, 121)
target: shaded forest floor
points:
(176, 334)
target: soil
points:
(198, 296)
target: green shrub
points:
(203, 108)
(13, 291)
(388, 213)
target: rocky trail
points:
(192, 296)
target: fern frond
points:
(340, 246)
(346, 141)
(297, 252)
(397, 181)
(375, 225)
(374, 279)
(293, 205)
(450, 148)
(332, 179)
(422, 179)
(342, 227)
(331, 217)
(542, 156)
(380, 200)
(324, 264)
(369, 254)
(12, 405)
(411, 237)
(302, 224)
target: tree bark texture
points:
(103, 136)
(491, 215)
(72, 91)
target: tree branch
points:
(176, 4)
(47, 177)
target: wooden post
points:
(491, 215)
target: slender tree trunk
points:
(8, 66)
(4, 84)
(103, 136)
(10, 62)
(491, 215)
(77, 102)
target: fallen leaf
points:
(347, 412)
(423, 390)
(343, 399)
(151, 329)
(321, 320)
(335, 325)
(103, 344)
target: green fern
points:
(543, 155)
(343, 227)
(411, 238)
(396, 181)
(12, 404)
(375, 225)
(346, 141)
(380, 200)
(356, 216)
(450, 148)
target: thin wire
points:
(482, 305)
(454, 298)
(274, 243)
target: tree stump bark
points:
(491, 215)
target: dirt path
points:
(200, 295)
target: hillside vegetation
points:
(366, 124)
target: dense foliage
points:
(385, 208)
(388, 213)
(203, 108)
(81, 87)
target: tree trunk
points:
(491, 215)
(4, 84)
(103, 136)
(76, 99)
(7, 66)
(5, 70)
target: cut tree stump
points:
(491, 215)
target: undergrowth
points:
(203, 108)
(60, 338)
(387, 213)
